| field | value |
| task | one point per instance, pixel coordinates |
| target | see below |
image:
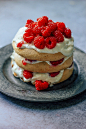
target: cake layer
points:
(34, 55)
(60, 77)
(43, 67)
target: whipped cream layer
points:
(35, 62)
(66, 47)
(36, 76)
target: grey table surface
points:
(68, 114)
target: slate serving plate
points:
(14, 87)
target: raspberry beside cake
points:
(43, 53)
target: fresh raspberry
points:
(27, 74)
(37, 30)
(26, 25)
(33, 24)
(55, 63)
(50, 42)
(61, 26)
(29, 60)
(40, 85)
(59, 36)
(28, 22)
(46, 32)
(67, 33)
(29, 31)
(53, 26)
(42, 21)
(39, 42)
(57, 22)
(20, 44)
(50, 20)
(38, 18)
(29, 26)
(54, 74)
(23, 62)
(28, 37)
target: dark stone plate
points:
(14, 87)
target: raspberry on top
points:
(44, 33)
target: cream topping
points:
(36, 76)
(66, 47)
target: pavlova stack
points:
(43, 53)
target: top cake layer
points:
(45, 36)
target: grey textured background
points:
(14, 13)
(70, 114)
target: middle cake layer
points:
(43, 66)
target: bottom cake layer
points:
(51, 78)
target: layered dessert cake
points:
(43, 53)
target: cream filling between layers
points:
(34, 62)
(36, 76)
(66, 47)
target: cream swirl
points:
(66, 47)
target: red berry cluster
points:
(45, 33)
